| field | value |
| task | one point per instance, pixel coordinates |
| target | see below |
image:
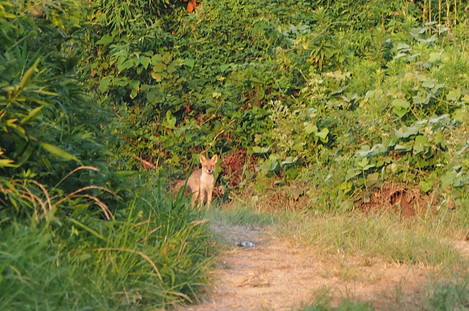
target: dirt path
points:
(279, 275)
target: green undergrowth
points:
(155, 253)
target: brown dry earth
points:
(277, 274)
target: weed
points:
(323, 302)
(449, 295)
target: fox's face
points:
(208, 166)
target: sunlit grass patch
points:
(409, 241)
(240, 214)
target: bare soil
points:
(277, 274)
(407, 201)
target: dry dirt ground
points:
(277, 274)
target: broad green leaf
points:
(129, 63)
(106, 39)
(402, 46)
(159, 68)
(448, 179)
(145, 61)
(453, 95)
(372, 178)
(104, 84)
(420, 144)
(363, 163)
(58, 152)
(399, 102)
(403, 147)
(426, 185)
(323, 135)
(135, 85)
(268, 166)
(400, 107)
(438, 119)
(156, 76)
(289, 160)
(430, 83)
(346, 186)
(460, 114)
(260, 150)
(434, 57)
(421, 100)
(406, 132)
(412, 57)
(170, 120)
(352, 173)
(189, 62)
(311, 128)
(365, 150)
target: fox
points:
(201, 182)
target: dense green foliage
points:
(378, 95)
(340, 96)
(43, 110)
(76, 233)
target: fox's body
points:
(202, 181)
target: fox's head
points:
(208, 166)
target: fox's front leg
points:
(209, 197)
(203, 197)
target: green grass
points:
(411, 241)
(449, 296)
(443, 296)
(344, 306)
(156, 253)
(323, 302)
(240, 214)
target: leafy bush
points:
(46, 123)
(377, 119)
(300, 85)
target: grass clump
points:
(448, 296)
(155, 253)
(323, 302)
(29, 275)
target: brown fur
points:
(202, 181)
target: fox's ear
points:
(202, 158)
(214, 158)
